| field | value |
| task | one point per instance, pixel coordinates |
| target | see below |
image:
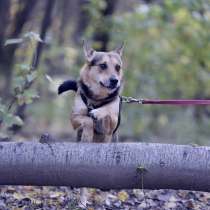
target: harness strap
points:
(119, 115)
(88, 93)
(92, 106)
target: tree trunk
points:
(105, 166)
(46, 22)
(102, 34)
(65, 20)
(4, 22)
(82, 22)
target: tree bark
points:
(45, 25)
(105, 166)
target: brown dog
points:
(96, 110)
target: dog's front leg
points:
(80, 120)
(105, 119)
(84, 125)
(105, 126)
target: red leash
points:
(176, 102)
(181, 102)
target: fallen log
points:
(105, 166)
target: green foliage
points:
(23, 78)
(169, 43)
(94, 8)
(7, 118)
(99, 22)
(166, 56)
(22, 93)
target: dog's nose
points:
(113, 82)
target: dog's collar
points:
(87, 96)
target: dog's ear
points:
(119, 49)
(88, 50)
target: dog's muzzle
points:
(113, 83)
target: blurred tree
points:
(21, 16)
(82, 22)
(65, 16)
(4, 21)
(101, 33)
(100, 17)
(167, 55)
(45, 24)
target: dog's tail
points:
(68, 85)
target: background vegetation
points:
(167, 55)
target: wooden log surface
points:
(105, 166)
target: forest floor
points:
(58, 198)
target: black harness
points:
(86, 94)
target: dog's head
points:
(103, 72)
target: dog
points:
(96, 110)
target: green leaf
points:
(9, 120)
(13, 41)
(31, 77)
(19, 82)
(2, 108)
(25, 67)
(29, 95)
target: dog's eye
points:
(117, 67)
(103, 66)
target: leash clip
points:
(126, 99)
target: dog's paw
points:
(102, 121)
(96, 114)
